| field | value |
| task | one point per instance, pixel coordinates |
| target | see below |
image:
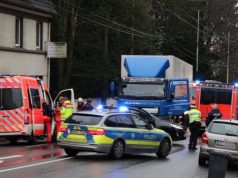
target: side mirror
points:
(149, 126)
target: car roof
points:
(101, 113)
(226, 121)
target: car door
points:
(148, 138)
(69, 93)
(179, 97)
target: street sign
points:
(56, 50)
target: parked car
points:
(220, 136)
(114, 132)
(176, 131)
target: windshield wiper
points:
(230, 134)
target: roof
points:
(42, 6)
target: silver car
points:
(220, 136)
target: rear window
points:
(224, 128)
(84, 119)
(10, 98)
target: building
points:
(24, 30)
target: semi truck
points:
(159, 84)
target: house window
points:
(18, 32)
(39, 35)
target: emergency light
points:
(123, 109)
(100, 107)
(236, 85)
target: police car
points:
(115, 132)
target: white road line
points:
(9, 157)
(32, 165)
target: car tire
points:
(71, 152)
(202, 161)
(164, 148)
(118, 149)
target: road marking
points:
(9, 157)
(32, 165)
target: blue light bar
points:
(123, 109)
(236, 85)
(100, 107)
(197, 82)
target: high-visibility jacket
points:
(66, 110)
(194, 116)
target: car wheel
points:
(202, 161)
(71, 152)
(164, 148)
(118, 149)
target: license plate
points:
(220, 143)
(77, 132)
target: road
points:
(49, 161)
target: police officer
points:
(214, 113)
(194, 126)
(67, 109)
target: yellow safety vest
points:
(66, 110)
(194, 115)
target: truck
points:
(207, 93)
(158, 84)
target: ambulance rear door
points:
(11, 105)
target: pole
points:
(228, 57)
(197, 42)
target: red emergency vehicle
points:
(21, 112)
(211, 92)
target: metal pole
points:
(197, 42)
(228, 58)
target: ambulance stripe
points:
(9, 128)
(16, 79)
(12, 121)
(2, 80)
(15, 116)
(9, 79)
(21, 112)
(4, 129)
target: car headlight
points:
(176, 126)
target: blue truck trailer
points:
(144, 84)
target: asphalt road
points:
(49, 161)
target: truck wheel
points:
(202, 161)
(118, 149)
(164, 148)
(71, 152)
(32, 139)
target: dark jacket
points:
(87, 107)
(215, 113)
(47, 110)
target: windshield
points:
(10, 98)
(144, 90)
(216, 95)
(84, 119)
(224, 128)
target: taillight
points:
(27, 117)
(97, 132)
(204, 138)
(63, 129)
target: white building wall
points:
(7, 30)
(15, 63)
(20, 63)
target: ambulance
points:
(21, 112)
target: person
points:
(214, 113)
(80, 104)
(88, 106)
(47, 117)
(67, 108)
(194, 126)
